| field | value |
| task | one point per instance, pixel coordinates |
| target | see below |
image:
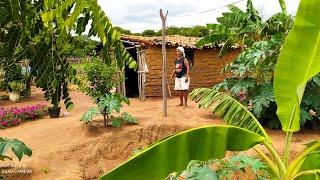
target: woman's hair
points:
(181, 50)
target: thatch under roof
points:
(172, 40)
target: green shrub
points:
(17, 87)
(107, 106)
(12, 73)
(100, 78)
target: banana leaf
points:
(173, 153)
(299, 61)
(311, 163)
(229, 109)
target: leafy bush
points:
(125, 118)
(17, 87)
(107, 105)
(100, 78)
(15, 116)
(227, 168)
(12, 73)
(251, 82)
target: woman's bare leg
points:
(185, 93)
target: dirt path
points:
(65, 148)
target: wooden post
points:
(164, 62)
(139, 70)
(143, 77)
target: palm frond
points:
(227, 108)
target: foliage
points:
(235, 27)
(89, 114)
(251, 73)
(129, 119)
(15, 116)
(108, 105)
(149, 32)
(195, 31)
(241, 163)
(100, 77)
(226, 168)
(80, 46)
(304, 63)
(243, 28)
(124, 118)
(184, 146)
(79, 13)
(195, 170)
(56, 85)
(123, 31)
(18, 148)
(214, 142)
(236, 115)
(41, 32)
(2, 82)
(12, 73)
(252, 77)
(17, 87)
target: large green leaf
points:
(229, 109)
(110, 103)
(299, 60)
(306, 165)
(174, 153)
(311, 163)
(89, 114)
(18, 147)
(210, 39)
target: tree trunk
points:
(105, 118)
(164, 63)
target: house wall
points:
(206, 69)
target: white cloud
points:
(139, 15)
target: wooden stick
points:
(169, 90)
(164, 62)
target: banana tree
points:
(235, 27)
(243, 28)
(296, 65)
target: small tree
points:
(100, 83)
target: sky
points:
(139, 15)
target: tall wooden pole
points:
(164, 62)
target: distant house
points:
(206, 70)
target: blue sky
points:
(138, 15)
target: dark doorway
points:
(131, 81)
(190, 56)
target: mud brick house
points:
(206, 70)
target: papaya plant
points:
(106, 105)
(227, 168)
(295, 66)
(18, 148)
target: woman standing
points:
(182, 80)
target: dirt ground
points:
(65, 148)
